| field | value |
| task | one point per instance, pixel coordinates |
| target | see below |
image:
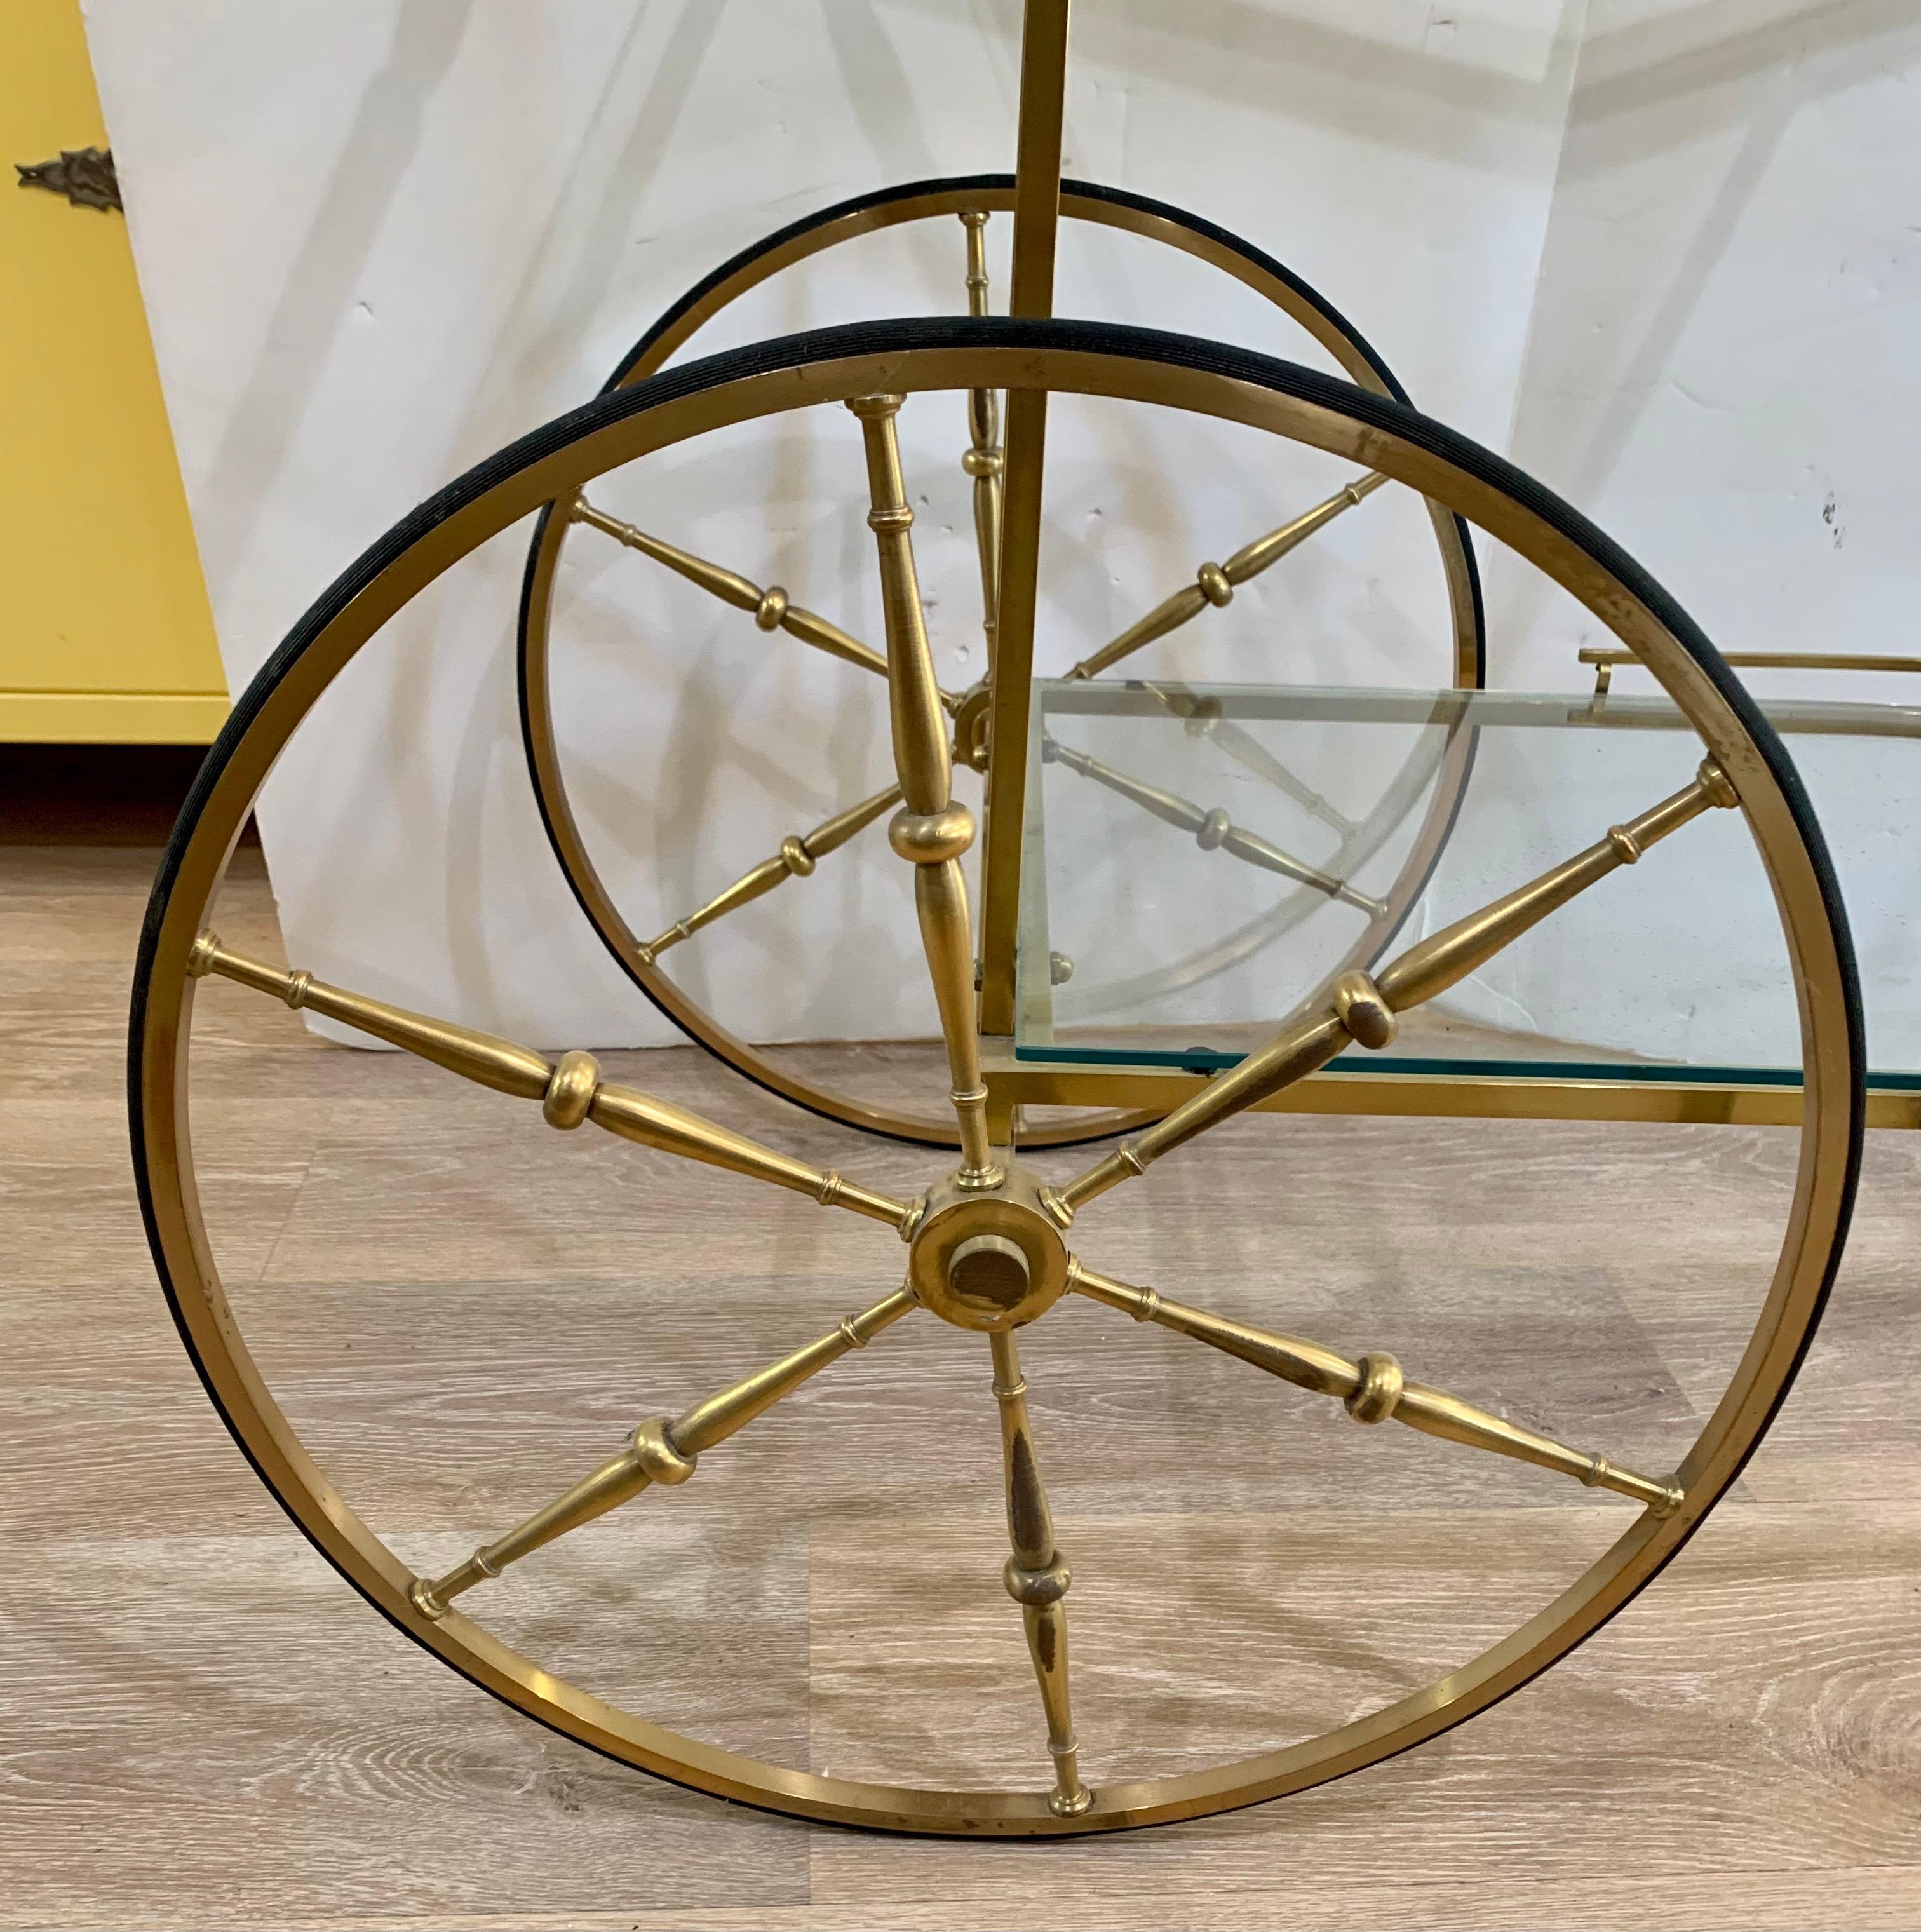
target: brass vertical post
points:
(1037, 1575)
(931, 830)
(1037, 156)
(1036, 222)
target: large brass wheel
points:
(990, 1245)
(1431, 784)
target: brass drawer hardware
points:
(84, 175)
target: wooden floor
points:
(201, 1726)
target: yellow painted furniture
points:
(105, 633)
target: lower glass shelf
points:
(1200, 863)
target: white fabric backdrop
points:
(1663, 252)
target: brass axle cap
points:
(988, 1259)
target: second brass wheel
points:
(648, 956)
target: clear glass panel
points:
(1200, 860)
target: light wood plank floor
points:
(201, 1726)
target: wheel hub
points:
(988, 1261)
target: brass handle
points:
(1604, 658)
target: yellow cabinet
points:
(105, 635)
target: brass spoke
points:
(1204, 719)
(570, 1090)
(1362, 1009)
(660, 1451)
(1037, 1575)
(931, 830)
(771, 610)
(796, 858)
(1375, 1389)
(1215, 584)
(984, 460)
(1213, 831)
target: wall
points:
(1721, 371)
(378, 240)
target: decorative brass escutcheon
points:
(84, 175)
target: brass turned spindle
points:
(796, 859)
(1204, 719)
(1213, 831)
(659, 1451)
(1215, 584)
(771, 608)
(1375, 1389)
(1037, 1575)
(570, 1090)
(931, 830)
(1362, 1010)
(983, 460)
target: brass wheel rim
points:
(835, 366)
(922, 201)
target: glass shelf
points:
(1200, 862)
